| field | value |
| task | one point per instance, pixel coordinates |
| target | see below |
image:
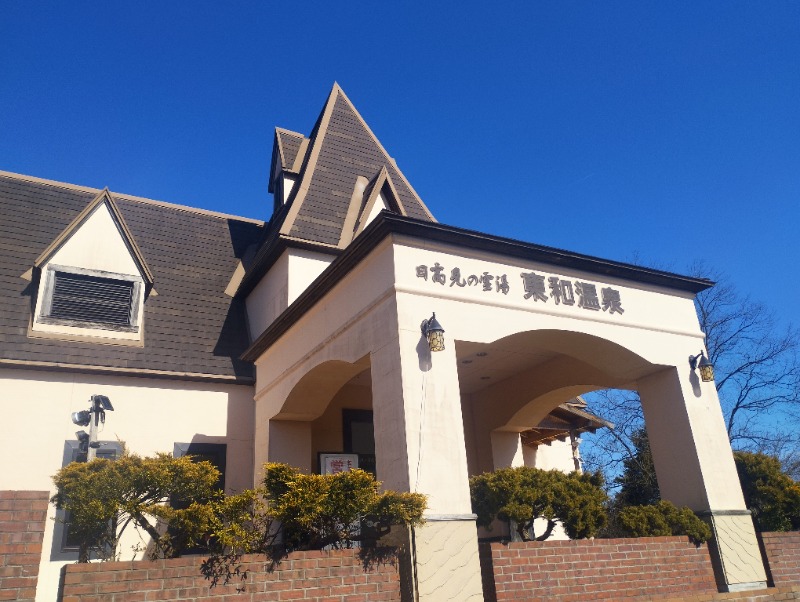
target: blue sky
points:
(655, 132)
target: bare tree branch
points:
(757, 376)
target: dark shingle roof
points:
(289, 144)
(341, 148)
(191, 326)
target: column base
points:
(446, 559)
(745, 587)
(738, 563)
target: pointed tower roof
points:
(341, 149)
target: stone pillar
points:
(419, 447)
(507, 450)
(290, 443)
(695, 468)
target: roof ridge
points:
(290, 132)
(128, 197)
(384, 151)
(316, 138)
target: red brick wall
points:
(336, 576)
(783, 556)
(22, 520)
(602, 569)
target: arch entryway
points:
(508, 361)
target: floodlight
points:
(82, 418)
(83, 443)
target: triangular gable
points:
(380, 193)
(103, 198)
(342, 148)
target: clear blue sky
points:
(666, 131)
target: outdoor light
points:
(83, 441)
(706, 367)
(87, 442)
(434, 332)
(82, 418)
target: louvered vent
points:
(92, 299)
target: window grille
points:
(91, 299)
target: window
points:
(216, 453)
(109, 450)
(90, 299)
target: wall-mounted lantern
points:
(706, 368)
(434, 333)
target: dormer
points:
(93, 280)
(288, 152)
(379, 194)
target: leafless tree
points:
(757, 375)
(755, 361)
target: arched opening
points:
(530, 381)
(325, 424)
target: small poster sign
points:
(333, 463)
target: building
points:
(249, 342)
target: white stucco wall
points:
(150, 415)
(304, 267)
(286, 280)
(556, 456)
(97, 245)
(289, 181)
(269, 298)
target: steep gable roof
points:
(193, 328)
(341, 149)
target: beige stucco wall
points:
(149, 416)
(658, 329)
(536, 355)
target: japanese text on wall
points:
(537, 287)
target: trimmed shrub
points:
(663, 518)
(523, 494)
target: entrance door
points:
(359, 437)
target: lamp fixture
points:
(706, 368)
(82, 418)
(96, 414)
(434, 333)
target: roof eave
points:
(390, 223)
